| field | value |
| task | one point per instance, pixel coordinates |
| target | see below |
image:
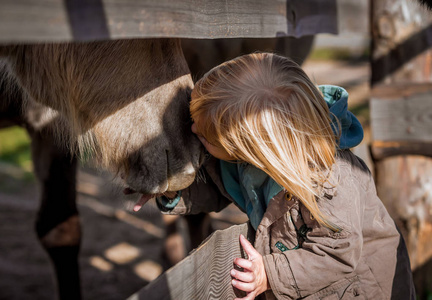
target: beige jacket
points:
(366, 260)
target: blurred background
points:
(122, 250)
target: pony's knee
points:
(67, 233)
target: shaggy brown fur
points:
(126, 101)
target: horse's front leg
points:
(57, 224)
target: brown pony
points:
(127, 103)
(124, 101)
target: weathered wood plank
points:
(405, 189)
(82, 20)
(400, 90)
(204, 274)
(381, 150)
(401, 55)
(404, 119)
(401, 43)
(20, 18)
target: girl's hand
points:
(254, 278)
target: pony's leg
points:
(57, 224)
(184, 234)
(199, 228)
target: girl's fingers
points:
(244, 286)
(247, 246)
(243, 276)
(244, 263)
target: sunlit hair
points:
(263, 109)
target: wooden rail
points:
(401, 119)
(83, 20)
(205, 273)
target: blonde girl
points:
(279, 151)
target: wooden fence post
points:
(401, 120)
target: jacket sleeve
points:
(325, 256)
(203, 195)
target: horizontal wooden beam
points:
(380, 149)
(401, 120)
(404, 118)
(400, 90)
(23, 21)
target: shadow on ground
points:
(117, 257)
(121, 250)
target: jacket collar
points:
(277, 207)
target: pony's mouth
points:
(141, 201)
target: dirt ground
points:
(25, 270)
(121, 250)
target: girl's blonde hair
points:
(263, 109)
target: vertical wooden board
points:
(401, 56)
(405, 187)
(400, 39)
(205, 273)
